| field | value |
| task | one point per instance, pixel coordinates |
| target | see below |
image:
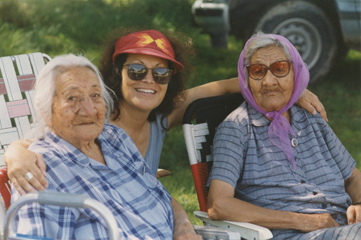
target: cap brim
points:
(148, 51)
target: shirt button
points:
(314, 193)
(303, 181)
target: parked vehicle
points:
(321, 30)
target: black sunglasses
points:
(160, 75)
(278, 69)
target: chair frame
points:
(199, 133)
(60, 199)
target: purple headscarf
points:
(280, 127)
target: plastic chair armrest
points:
(247, 230)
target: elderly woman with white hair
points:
(276, 165)
(85, 156)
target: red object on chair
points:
(5, 187)
(208, 114)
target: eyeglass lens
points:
(279, 69)
(138, 72)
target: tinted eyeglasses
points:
(138, 72)
(278, 69)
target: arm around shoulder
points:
(211, 89)
(20, 161)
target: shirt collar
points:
(258, 119)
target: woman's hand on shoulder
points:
(312, 104)
(20, 161)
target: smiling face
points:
(271, 93)
(78, 109)
(143, 95)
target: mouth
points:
(270, 91)
(145, 90)
(86, 123)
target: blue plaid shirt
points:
(261, 174)
(126, 185)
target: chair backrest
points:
(199, 134)
(17, 114)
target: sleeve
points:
(228, 153)
(337, 150)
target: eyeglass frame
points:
(269, 68)
(127, 65)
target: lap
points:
(347, 232)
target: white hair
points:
(45, 86)
(261, 41)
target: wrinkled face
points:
(143, 95)
(271, 93)
(78, 109)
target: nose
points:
(87, 107)
(269, 78)
(149, 77)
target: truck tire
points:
(308, 29)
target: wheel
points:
(308, 29)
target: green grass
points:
(55, 27)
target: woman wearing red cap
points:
(147, 72)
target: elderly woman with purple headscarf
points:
(275, 164)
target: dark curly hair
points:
(184, 51)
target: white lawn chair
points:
(208, 114)
(17, 78)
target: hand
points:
(314, 222)
(353, 214)
(21, 161)
(185, 231)
(312, 104)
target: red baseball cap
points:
(150, 42)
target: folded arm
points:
(353, 188)
(222, 205)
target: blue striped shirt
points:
(126, 185)
(245, 157)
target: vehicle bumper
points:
(212, 17)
